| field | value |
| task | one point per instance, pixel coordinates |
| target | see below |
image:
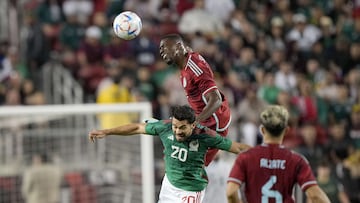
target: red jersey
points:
(270, 172)
(197, 79)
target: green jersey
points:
(184, 161)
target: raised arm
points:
(124, 130)
(214, 101)
(237, 147)
(316, 195)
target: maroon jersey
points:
(197, 79)
(270, 172)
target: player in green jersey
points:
(185, 145)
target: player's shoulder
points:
(297, 156)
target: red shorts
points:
(210, 154)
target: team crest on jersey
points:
(194, 145)
(184, 82)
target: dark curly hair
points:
(183, 112)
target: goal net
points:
(115, 169)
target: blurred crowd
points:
(303, 54)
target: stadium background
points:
(302, 54)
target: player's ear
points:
(286, 130)
(262, 129)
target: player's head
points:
(183, 122)
(172, 48)
(274, 121)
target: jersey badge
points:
(194, 145)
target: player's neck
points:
(182, 61)
(271, 140)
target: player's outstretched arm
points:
(232, 192)
(124, 130)
(237, 147)
(316, 195)
(214, 101)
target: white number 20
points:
(179, 153)
(268, 193)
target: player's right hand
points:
(96, 134)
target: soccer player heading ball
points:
(197, 78)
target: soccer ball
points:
(127, 25)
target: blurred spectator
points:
(277, 57)
(268, 91)
(12, 97)
(50, 11)
(118, 49)
(285, 77)
(275, 39)
(354, 56)
(354, 131)
(314, 72)
(115, 88)
(37, 47)
(145, 9)
(174, 89)
(90, 57)
(82, 9)
(42, 181)
(303, 34)
(91, 51)
(247, 66)
(7, 64)
(352, 163)
(198, 19)
(339, 145)
(310, 147)
(100, 20)
(220, 9)
(145, 87)
(145, 49)
(72, 32)
(327, 88)
(300, 40)
(30, 95)
(331, 186)
(161, 72)
(247, 112)
(310, 106)
(340, 108)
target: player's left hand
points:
(96, 134)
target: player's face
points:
(167, 50)
(182, 129)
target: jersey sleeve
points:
(305, 177)
(237, 173)
(155, 128)
(218, 142)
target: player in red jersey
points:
(197, 78)
(269, 171)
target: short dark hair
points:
(183, 112)
(174, 37)
(275, 119)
